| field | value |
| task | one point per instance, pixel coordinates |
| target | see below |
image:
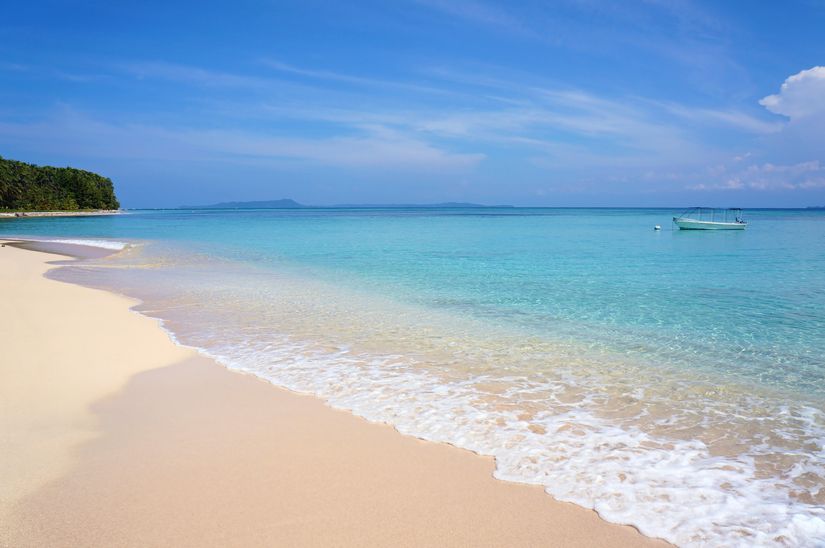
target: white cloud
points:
(801, 95)
(767, 176)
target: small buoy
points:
(657, 227)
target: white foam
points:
(104, 244)
(670, 489)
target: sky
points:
(565, 103)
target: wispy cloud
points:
(483, 13)
(13, 67)
(193, 75)
(682, 31)
(566, 125)
(545, 124)
(729, 117)
(53, 73)
(373, 148)
(363, 81)
(549, 127)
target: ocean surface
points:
(674, 381)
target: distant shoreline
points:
(89, 213)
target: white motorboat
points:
(708, 218)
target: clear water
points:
(670, 380)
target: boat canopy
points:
(713, 215)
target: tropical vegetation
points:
(28, 187)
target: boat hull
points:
(692, 224)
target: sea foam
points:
(671, 489)
(103, 244)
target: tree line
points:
(28, 187)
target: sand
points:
(113, 436)
(84, 213)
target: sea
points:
(669, 380)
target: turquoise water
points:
(671, 380)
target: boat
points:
(710, 218)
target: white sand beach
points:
(115, 436)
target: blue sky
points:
(568, 103)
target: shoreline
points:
(26, 214)
(202, 455)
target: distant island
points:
(28, 187)
(287, 203)
(265, 204)
(449, 205)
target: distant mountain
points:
(285, 203)
(292, 204)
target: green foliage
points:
(27, 187)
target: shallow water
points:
(670, 380)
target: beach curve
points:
(117, 436)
